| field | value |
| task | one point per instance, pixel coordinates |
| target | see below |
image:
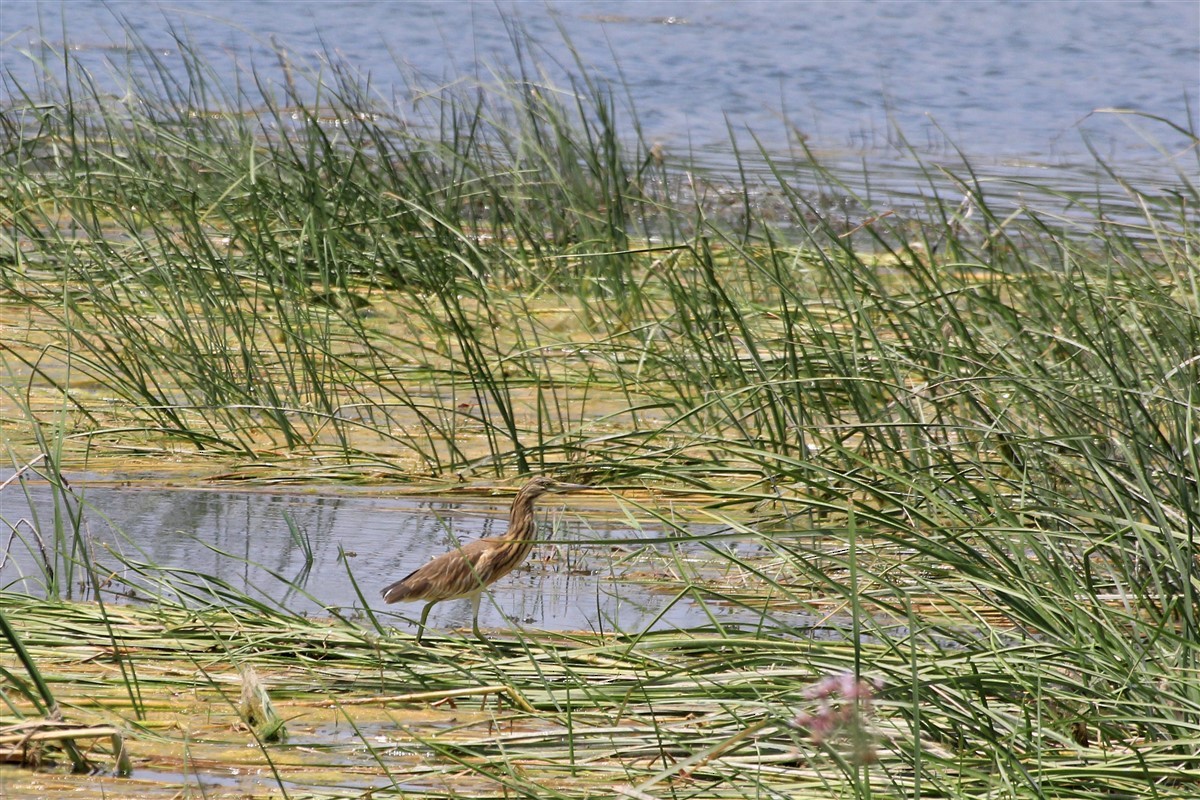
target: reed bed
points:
(709, 713)
(961, 435)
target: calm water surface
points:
(1008, 82)
(202, 539)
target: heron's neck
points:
(520, 519)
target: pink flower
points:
(843, 704)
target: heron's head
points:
(542, 484)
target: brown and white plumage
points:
(470, 569)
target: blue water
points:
(1007, 82)
(186, 545)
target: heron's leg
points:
(475, 598)
(424, 616)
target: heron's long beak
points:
(560, 486)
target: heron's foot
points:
(479, 635)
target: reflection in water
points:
(190, 542)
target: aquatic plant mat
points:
(696, 714)
(954, 434)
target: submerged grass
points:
(962, 436)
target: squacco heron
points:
(476, 565)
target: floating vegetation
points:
(715, 713)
